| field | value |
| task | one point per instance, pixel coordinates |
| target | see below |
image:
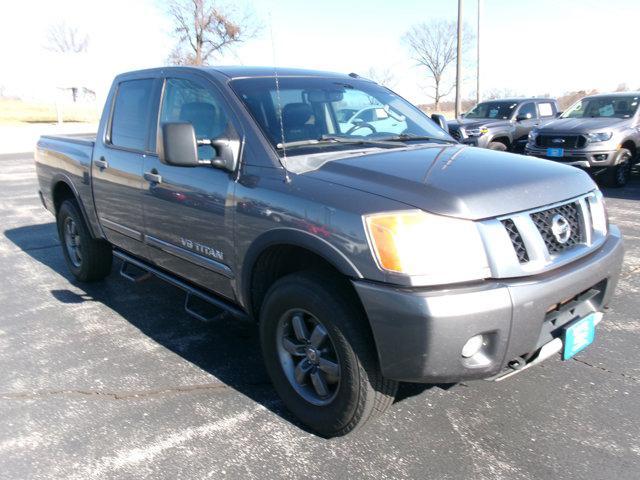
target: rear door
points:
(547, 111)
(118, 160)
(188, 213)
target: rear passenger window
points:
(546, 109)
(131, 112)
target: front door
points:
(528, 119)
(188, 218)
(118, 162)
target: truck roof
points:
(233, 72)
(520, 99)
(613, 94)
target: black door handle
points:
(101, 163)
(153, 176)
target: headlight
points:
(440, 249)
(533, 134)
(599, 137)
(477, 132)
(598, 209)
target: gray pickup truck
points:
(503, 124)
(369, 252)
(600, 133)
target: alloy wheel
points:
(72, 241)
(308, 357)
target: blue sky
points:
(529, 47)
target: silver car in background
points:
(600, 133)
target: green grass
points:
(14, 111)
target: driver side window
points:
(187, 101)
(528, 110)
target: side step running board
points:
(192, 292)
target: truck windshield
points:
(497, 110)
(617, 106)
(311, 113)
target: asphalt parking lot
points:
(114, 380)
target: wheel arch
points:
(283, 251)
(63, 189)
(501, 137)
(630, 145)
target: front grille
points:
(543, 221)
(516, 240)
(561, 141)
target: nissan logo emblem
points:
(560, 228)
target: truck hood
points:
(452, 180)
(582, 125)
(478, 122)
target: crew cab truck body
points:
(503, 124)
(367, 257)
(599, 133)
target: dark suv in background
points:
(503, 124)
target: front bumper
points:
(591, 159)
(419, 334)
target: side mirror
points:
(526, 116)
(441, 121)
(558, 114)
(180, 148)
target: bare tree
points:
(433, 46)
(204, 29)
(383, 76)
(622, 87)
(498, 93)
(62, 38)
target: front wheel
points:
(618, 176)
(497, 146)
(87, 258)
(320, 355)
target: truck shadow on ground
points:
(227, 348)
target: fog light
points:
(473, 346)
(600, 157)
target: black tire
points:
(361, 393)
(618, 176)
(498, 146)
(95, 256)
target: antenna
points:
(283, 160)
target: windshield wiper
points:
(325, 140)
(403, 137)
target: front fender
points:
(296, 238)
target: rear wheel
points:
(498, 146)
(618, 176)
(320, 354)
(87, 258)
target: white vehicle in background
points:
(371, 119)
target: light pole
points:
(478, 96)
(459, 61)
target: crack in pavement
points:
(121, 395)
(631, 377)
